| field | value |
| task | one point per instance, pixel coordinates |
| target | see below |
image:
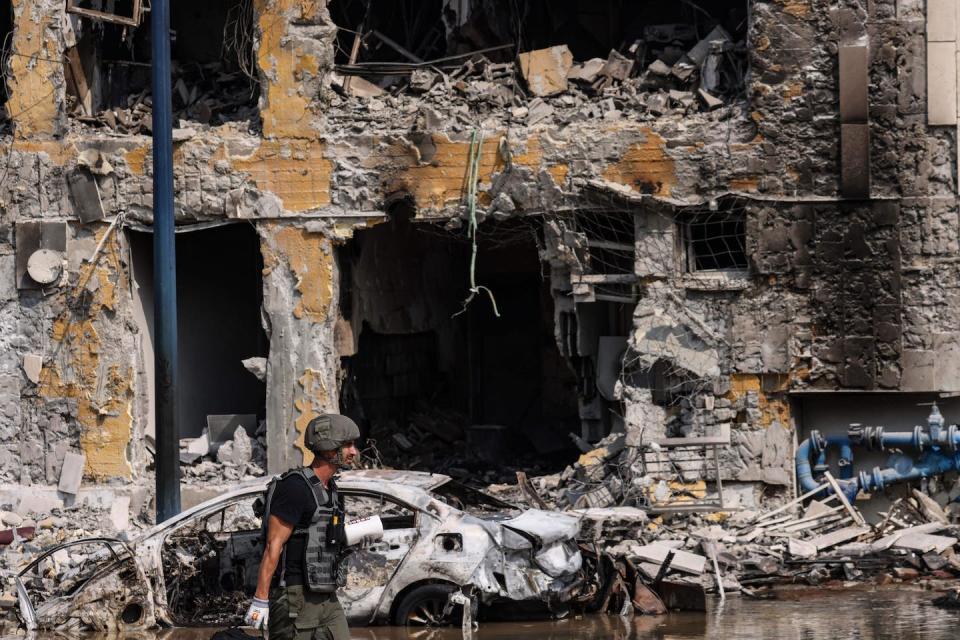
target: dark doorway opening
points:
(445, 389)
(219, 294)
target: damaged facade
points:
(716, 228)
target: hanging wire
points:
(473, 177)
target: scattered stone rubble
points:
(547, 85)
(241, 457)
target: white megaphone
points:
(363, 530)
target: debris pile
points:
(825, 541)
(203, 94)
(441, 440)
(224, 451)
(670, 473)
(670, 73)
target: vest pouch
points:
(320, 560)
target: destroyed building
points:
(477, 227)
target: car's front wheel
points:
(424, 606)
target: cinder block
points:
(941, 20)
(942, 83)
(855, 161)
(854, 83)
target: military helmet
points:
(329, 432)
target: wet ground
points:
(885, 614)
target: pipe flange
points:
(856, 434)
(864, 480)
(952, 438)
(817, 442)
(875, 438)
(877, 479)
(918, 438)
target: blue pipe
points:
(164, 270)
(939, 448)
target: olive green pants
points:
(299, 614)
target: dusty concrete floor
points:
(865, 614)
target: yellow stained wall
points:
(35, 63)
(77, 369)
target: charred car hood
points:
(543, 527)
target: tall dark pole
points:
(164, 270)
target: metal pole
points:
(164, 270)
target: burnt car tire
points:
(423, 607)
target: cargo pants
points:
(299, 614)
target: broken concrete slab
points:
(888, 541)
(545, 70)
(120, 513)
(32, 366)
(682, 560)
(925, 542)
(86, 195)
(834, 538)
(802, 549)
(257, 366)
(617, 66)
(71, 473)
(710, 102)
(586, 71)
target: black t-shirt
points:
(294, 503)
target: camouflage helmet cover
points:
(329, 432)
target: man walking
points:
(303, 519)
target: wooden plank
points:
(854, 514)
(103, 16)
(80, 81)
(839, 536)
(354, 51)
(829, 513)
(793, 503)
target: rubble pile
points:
(203, 94)
(216, 458)
(669, 73)
(441, 440)
(825, 542)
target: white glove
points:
(258, 614)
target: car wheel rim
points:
(428, 613)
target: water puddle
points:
(884, 614)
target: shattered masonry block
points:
(545, 70)
(71, 473)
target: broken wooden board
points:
(839, 536)
(682, 560)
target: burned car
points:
(200, 567)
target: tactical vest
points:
(325, 537)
